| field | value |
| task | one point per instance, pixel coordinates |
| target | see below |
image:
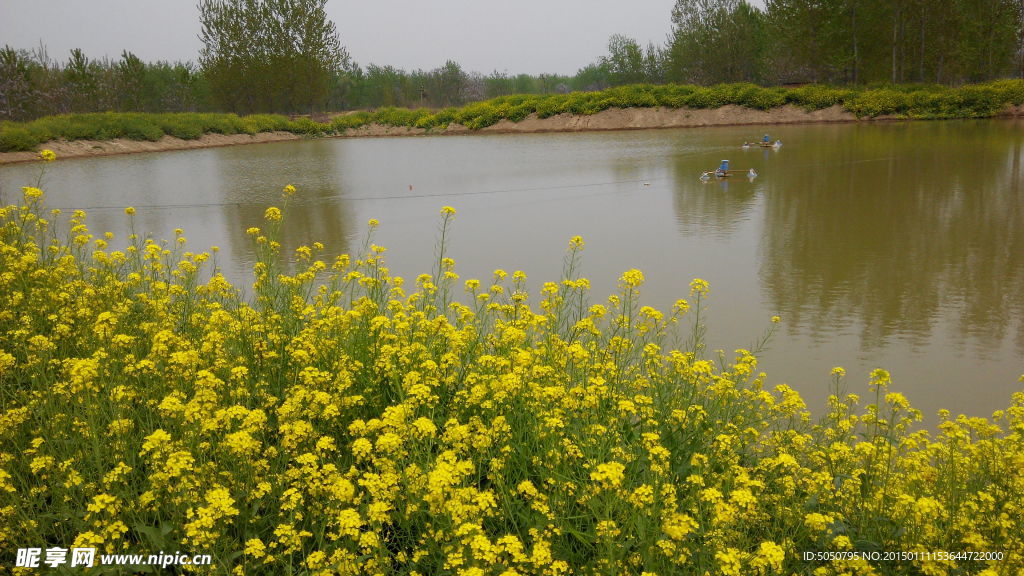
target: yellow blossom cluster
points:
(342, 421)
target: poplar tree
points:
(269, 55)
(716, 41)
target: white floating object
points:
(752, 174)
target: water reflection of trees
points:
(895, 230)
(253, 180)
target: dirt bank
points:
(630, 119)
(80, 148)
(613, 119)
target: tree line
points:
(846, 42)
(32, 84)
(285, 56)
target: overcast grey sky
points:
(524, 36)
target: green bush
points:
(549, 106)
(817, 96)
(760, 98)
(483, 120)
(633, 96)
(221, 123)
(967, 102)
(427, 122)
(673, 95)
(392, 116)
(520, 111)
(479, 115)
(1009, 91)
(878, 102)
(446, 116)
(181, 128)
(17, 139)
(140, 128)
(78, 127)
(46, 128)
(247, 127)
(713, 96)
(978, 101)
(265, 123)
(928, 105)
(585, 103)
(347, 121)
(308, 127)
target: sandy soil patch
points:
(381, 130)
(640, 118)
(1013, 111)
(80, 148)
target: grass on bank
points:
(910, 101)
(346, 421)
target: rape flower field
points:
(342, 420)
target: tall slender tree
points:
(988, 38)
(269, 55)
(625, 61)
(716, 41)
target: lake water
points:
(894, 245)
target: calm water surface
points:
(893, 245)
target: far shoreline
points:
(607, 120)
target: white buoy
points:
(752, 174)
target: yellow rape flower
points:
(897, 401)
(254, 547)
(817, 522)
(349, 523)
(769, 559)
(699, 286)
(609, 474)
(632, 278)
(424, 427)
(729, 562)
(681, 306)
(880, 377)
(607, 529)
(677, 526)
